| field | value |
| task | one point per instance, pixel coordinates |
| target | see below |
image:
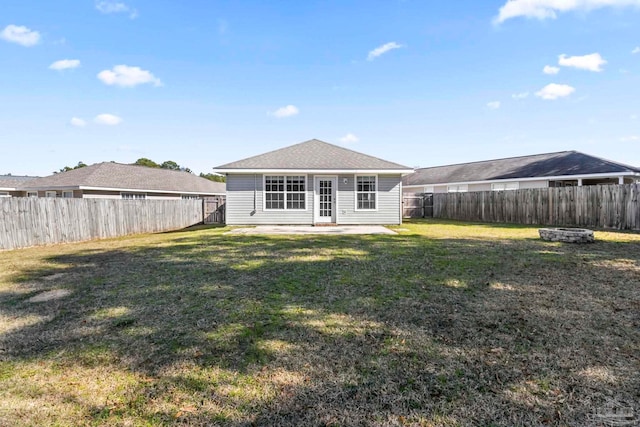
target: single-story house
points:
(313, 183)
(562, 169)
(120, 181)
(10, 184)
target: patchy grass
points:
(445, 324)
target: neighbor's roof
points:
(117, 176)
(10, 182)
(540, 165)
(313, 155)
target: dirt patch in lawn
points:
(446, 324)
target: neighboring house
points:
(562, 169)
(10, 184)
(313, 183)
(120, 181)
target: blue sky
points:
(422, 83)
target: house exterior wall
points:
(245, 202)
(104, 194)
(534, 184)
(100, 194)
(388, 202)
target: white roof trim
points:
(131, 190)
(538, 178)
(317, 171)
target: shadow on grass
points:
(357, 330)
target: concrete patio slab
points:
(308, 229)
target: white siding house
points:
(313, 183)
(565, 168)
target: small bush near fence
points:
(27, 221)
(597, 206)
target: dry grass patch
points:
(446, 324)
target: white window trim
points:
(264, 192)
(51, 194)
(504, 186)
(64, 193)
(355, 192)
(133, 198)
(458, 188)
(32, 194)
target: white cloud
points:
(630, 138)
(107, 119)
(592, 62)
(288, 111)
(555, 91)
(20, 35)
(125, 76)
(108, 7)
(65, 64)
(349, 139)
(383, 49)
(77, 122)
(547, 9)
(493, 105)
(636, 50)
(521, 95)
(548, 69)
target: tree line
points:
(143, 161)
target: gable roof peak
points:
(312, 155)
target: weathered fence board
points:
(597, 206)
(29, 221)
(417, 206)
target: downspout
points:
(255, 193)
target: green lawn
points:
(444, 324)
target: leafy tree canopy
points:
(169, 164)
(69, 168)
(213, 177)
(146, 162)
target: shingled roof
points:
(11, 182)
(313, 155)
(563, 163)
(117, 176)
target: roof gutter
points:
(132, 190)
(316, 171)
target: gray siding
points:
(388, 202)
(240, 202)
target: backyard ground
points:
(444, 324)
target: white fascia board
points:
(142, 190)
(317, 171)
(50, 187)
(537, 178)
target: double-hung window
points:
(366, 192)
(283, 192)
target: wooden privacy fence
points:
(593, 206)
(417, 206)
(30, 221)
(214, 210)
